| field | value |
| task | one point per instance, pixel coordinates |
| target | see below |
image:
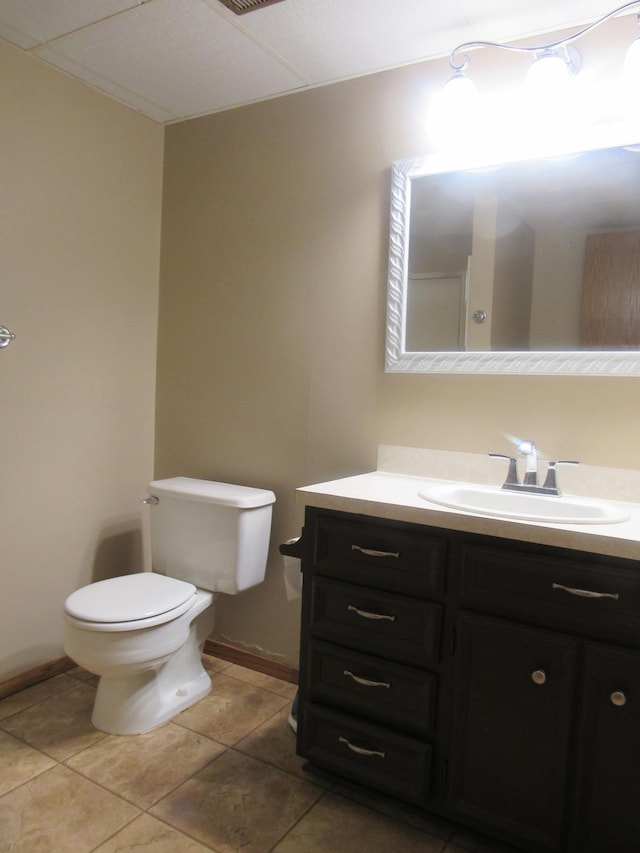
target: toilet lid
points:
(128, 598)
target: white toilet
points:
(143, 633)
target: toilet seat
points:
(129, 602)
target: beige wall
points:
(81, 193)
(271, 340)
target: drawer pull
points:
(618, 698)
(359, 750)
(585, 593)
(539, 676)
(367, 615)
(365, 681)
(369, 552)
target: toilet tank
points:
(214, 535)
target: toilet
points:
(143, 633)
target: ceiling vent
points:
(241, 7)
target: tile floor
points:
(221, 776)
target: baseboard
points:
(251, 661)
(35, 675)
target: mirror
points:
(521, 267)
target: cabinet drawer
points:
(386, 557)
(393, 763)
(370, 687)
(578, 593)
(370, 620)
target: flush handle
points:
(153, 500)
(6, 337)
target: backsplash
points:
(621, 484)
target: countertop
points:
(384, 494)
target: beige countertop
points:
(392, 495)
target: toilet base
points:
(131, 706)
(141, 701)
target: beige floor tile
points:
(19, 763)
(260, 679)
(231, 710)
(145, 767)
(275, 743)
(238, 803)
(148, 835)
(212, 664)
(82, 675)
(45, 690)
(341, 826)
(59, 728)
(60, 811)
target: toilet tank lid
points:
(225, 494)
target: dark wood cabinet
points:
(608, 772)
(512, 729)
(492, 682)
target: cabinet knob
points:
(539, 676)
(618, 698)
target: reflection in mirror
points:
(523, 267)
(436, 305)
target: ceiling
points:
(177, 59)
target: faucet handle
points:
(550, 481)
(528, 449)
(512, 473)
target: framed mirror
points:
(528, 266)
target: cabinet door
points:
(609, 774)
(512, 724)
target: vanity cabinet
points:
(490, 681)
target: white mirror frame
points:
(398, 360)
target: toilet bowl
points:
(143, 634)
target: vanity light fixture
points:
(554, 63)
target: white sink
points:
(490, 500)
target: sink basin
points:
(490, 500)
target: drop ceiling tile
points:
(29, 22)
(157, 112)
(177, 54)
(332, 39)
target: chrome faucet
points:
(530, 479)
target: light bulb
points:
(632, 60)
(459, 89)
(453, 108)
(549, 71)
